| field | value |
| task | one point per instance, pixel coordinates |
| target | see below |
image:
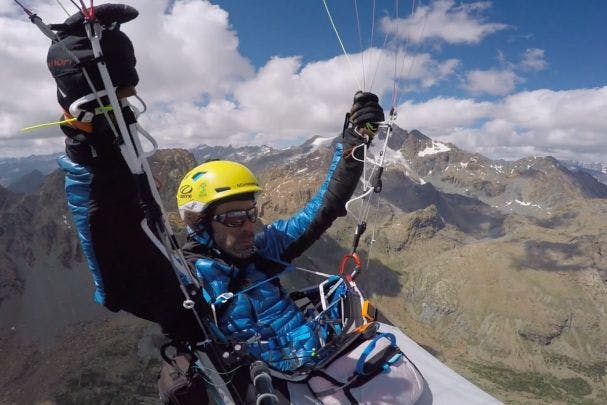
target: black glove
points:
(365, 109)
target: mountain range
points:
(498, 268)
(14, 172)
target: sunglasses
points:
(372, 126)
(236, 218)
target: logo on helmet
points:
(245, 184)
(186, 190)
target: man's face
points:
(234, 240)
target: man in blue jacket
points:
(215, 199)
(217, 202)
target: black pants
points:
(175, 391)
(136, 276)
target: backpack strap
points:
(366, 369)
(361, 367)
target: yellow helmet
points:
(210, 182)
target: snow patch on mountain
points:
(527, 204)
(437, 147)
(498, 168)
(321, 142)
(66, 222)
(395, 157)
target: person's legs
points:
(243, 384)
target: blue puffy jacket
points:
(259, 310)
(130, 274)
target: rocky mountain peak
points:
(533, 183)
(28, 183)
(598, 170)
(5, 196)
(414, 142)
(169, 166)
(486, 262)
(12, 169)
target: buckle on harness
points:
(223, 298)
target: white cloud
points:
(413, 70)
(492, 81)
(533, 60)
(188, 54)
(579, 113)
(283, 101)
(28, 95)
(286, 100)
(441, 116)
(503, 81)
(184, 56)
(443, 20)
(568, 124)
(198, 86)
(200, 89)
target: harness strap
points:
(288, 268)
(86, 127)
(350, 397)
(366, 370)
(360, 365)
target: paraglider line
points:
(29, 13)
(394, 89)
(343, 48)
(77, 7)
(64, 9)
(360, 41)
(372, 25)
(421, 33)
(381, 57)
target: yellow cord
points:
(98, 111)
(48, 124)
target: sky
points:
(507, 79)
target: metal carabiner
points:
(357, 266)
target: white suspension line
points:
(372, 24)
(394, 89)
(61, 5)
(381, 57)
(360, 41)
(343, 48)
(373, 229)
(414, 57)
(318, 273)
(76, 5)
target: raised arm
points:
(288, 239)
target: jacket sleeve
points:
(288, 239)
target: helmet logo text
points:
(187, 189)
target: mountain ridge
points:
(506, 295)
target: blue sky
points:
(573, 35)
(507, 79)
